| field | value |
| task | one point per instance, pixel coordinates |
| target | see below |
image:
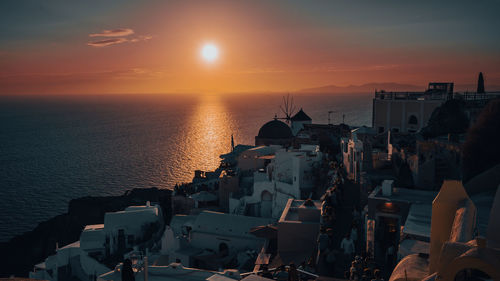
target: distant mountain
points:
(390, 87)
(365, 88)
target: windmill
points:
(287, 108)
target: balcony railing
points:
(383, 95)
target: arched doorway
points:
(223, 249)
(266, 204)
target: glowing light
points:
(209, 52)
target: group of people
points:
(332, 200)
(363, 270)
(282, 273)
(328, 253)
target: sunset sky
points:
(120, 46)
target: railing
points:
(271, 270)
(469, 96)
(382, 95)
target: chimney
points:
(387, 187)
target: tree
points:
(480, 84)
(449, 118)
(482, 146)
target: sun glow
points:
(209, 52)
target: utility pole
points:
(330, 112)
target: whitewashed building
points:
(82, 259)
(173, 272)
(289, 175)
(190, 239)
(356, 152)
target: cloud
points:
(118, 32)
(141, 38)
(107, 42)
(114, 41)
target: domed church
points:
(274, 132)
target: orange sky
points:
(153, 47)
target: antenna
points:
(330, 112)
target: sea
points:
(56, 148)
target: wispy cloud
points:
(118, 32)
(118, 37)
(107, 42)
(141, 38)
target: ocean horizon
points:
(57, 148)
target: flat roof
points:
(291, 211)
(418, 221)
(94, 227)
(405, 194)
(75, 244)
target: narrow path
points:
(342, 226)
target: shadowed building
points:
(298, 121)
(408, 111)
(464, 242)
(274, 132)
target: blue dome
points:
(275, 130)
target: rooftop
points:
(94, 227)
(301, 116)
(300, 211)
(405, 194)
(418, 222)
(275, 129)
(229, 224)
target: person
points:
(293, 274)
(358, 262)
(353, 275)
(323, 243)
(127, 272)
(378, 275)
(265, 272)
(330, 260)
(355, 215)
(310, 266)
(390, 256)
(354, 232)
(367, 275)
(333, 197)
(347, 245)
(281, 274)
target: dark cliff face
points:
(22, 252)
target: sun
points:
(209, 52)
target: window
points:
(380, 129)
(395, 130)
(412, 120)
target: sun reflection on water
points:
(208, 135)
